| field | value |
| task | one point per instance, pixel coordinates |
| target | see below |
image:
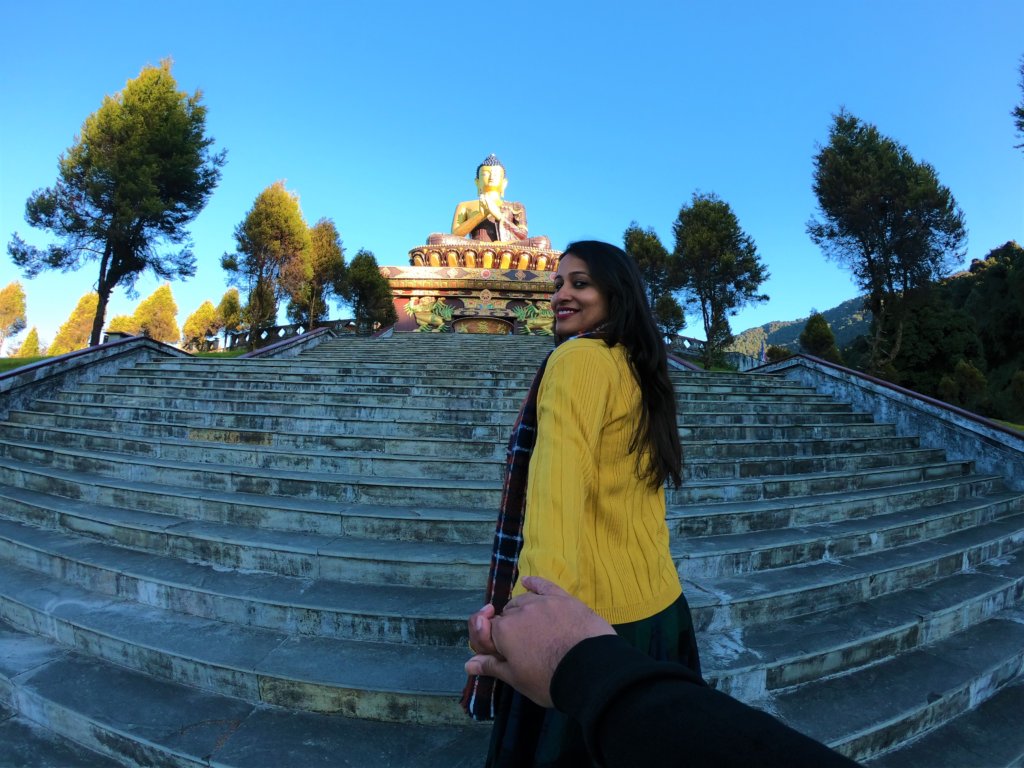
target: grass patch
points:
(10, 363)
(1010, 425)
(223, 353)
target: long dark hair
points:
(631, 323)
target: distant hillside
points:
(848, 321)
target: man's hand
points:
(525, 644)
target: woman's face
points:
(578, 304)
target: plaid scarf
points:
(481, 693)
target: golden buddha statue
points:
(490, 218)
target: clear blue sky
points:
(377, 114)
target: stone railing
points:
(993, 448)
(22, 385)
(264, 337)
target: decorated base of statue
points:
(461, 299)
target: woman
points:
(584, 498)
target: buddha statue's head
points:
(490, 176)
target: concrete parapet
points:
(292, 346)
(962, 434)
(43, 379)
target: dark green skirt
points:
(528, 735)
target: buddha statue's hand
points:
(490, 206)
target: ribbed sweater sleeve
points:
(571, 408)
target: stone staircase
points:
(270, 562)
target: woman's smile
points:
(578, 304)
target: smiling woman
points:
(584, 502)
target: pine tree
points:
(199, 325)
(30, 346)
(369, 293)
(139, 171)
(12, 311)
(270, 260)
(156, 316)
(74, 333)
(719, 268)
(817, 339)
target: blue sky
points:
(377, 114)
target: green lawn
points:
(10, 363)
(224, 353)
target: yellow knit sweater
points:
(592, 525)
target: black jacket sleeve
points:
(639, 712)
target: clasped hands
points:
(489, 208)
(524, 645)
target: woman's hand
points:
(530, 637)
(480, 640)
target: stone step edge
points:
(473, 514)
(302, 544)
(266, 682)
(336, 478)
(232, 593)
(472, 415)
(348, 453)
(245, 448)
(46, 415)
(853, 527)
(456, 484)
(181, 709)
(806, 577)
(752, 681)
(942, 707)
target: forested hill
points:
(848, 321)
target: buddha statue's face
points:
(491, 178)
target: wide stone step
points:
(143, 394)
(754, 661)
(782, 593)
(720, 518)
(368, 462)
(735, 449)
(373, 681)
(378, 462)
(337, 487)
(214, 387)
(25, 743)
(385, 521)
(421, 412)
(870, 710)
(355, 372)
(321, 424)
(785, 486)
(761, 431)
(144, 720)
(22, 423)
(333, 395)
(288, 553)
(346, 610)
(431, 491)
(989, 735)
(739, 553)
(427, 413)
(755, 466)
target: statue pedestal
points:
(484, 255)
(474, 300)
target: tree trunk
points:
(101, 311)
